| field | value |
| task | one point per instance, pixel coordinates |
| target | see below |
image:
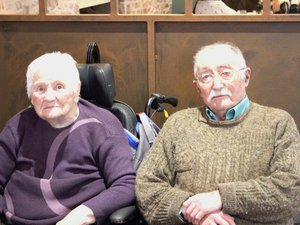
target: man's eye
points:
(226, 74)
(206, 77)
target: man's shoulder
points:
(186, 112)
(184, 116)
(270, 111)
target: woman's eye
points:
(41, 89)
(59, 86)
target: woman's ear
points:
(77, 93)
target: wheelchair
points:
(98, 87)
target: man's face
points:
(53, 98)
(221, 82)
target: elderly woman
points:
(64, 160)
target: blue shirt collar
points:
(232, 113)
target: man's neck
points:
(229, 114)
(221, 116)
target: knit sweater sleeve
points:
(8, 151)
(114, 161)
(274, 197)
(157, 197)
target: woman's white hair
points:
(224, 47)
(55, 62)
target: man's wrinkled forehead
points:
(219, 56)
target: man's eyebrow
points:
(204, 69)
(224, 66)
(218, 67)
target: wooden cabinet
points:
(154, 53)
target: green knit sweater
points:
(254, 162)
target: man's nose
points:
(217, 82)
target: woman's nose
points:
(50, 94)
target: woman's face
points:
(54, 99)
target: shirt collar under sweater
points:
(232, 113)
(202, 117)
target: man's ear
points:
(247, 75)
(196, 86)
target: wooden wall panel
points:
(121, 44)
(271, 50)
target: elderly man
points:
(231, 161)
(63, 161)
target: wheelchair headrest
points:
(97, 83)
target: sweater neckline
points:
(202, 117)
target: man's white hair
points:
(55, 62)
(224, 47)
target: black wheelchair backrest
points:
(98, 86)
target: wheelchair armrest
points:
(123, 215)
(297, 219)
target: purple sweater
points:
(45, 172)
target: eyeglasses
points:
(226, 75)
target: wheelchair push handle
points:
(171, 100)
(156, 102)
